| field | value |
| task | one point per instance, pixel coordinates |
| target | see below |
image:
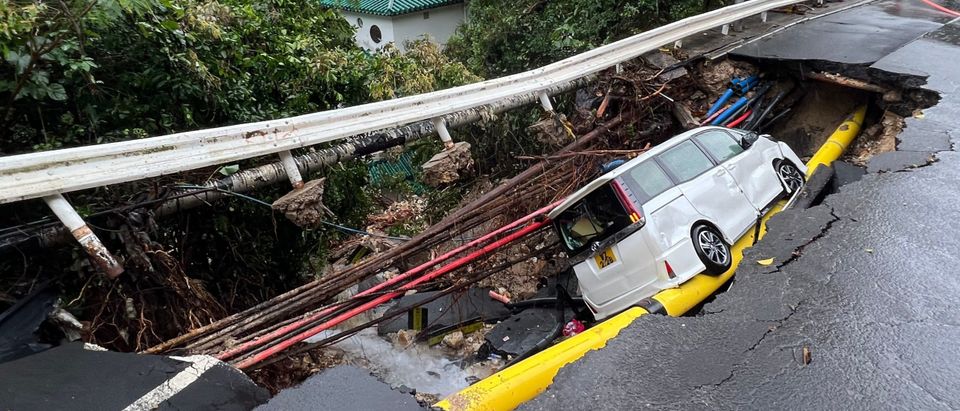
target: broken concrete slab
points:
(70, 377)
(923, 135)
(448, 165)
(664, 61)
(814, 189)
(342, 388)
(845, 173)
(446, 312)
(304, 206)
(899, 161)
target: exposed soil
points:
(878, 138)
(816, 115)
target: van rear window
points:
(650, 179)
(592, 219)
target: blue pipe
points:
(726, 114)
(723, 99)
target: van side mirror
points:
(748, 139)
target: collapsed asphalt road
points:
(857, 311)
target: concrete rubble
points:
(304, 207)
(449, 165)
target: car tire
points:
(790, 177)
(713, 251)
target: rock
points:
(551, 131)
(453, 340)
(404, 338)
(304, 207)
(448, 165)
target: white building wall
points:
(440, 24)
(363, 23)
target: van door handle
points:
(720, 172)
(732, 166)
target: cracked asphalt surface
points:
(866, 283)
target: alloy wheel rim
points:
(791, 177)
(712, 246)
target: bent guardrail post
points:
(90, 242)
(290, 167)
(440, 124)
(545, 101)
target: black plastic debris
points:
(446, 313)
(525, 332)
(19, 323)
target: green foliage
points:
(76, 72)
(87, 71)
(344, 193)
(509, 37)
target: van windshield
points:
(592, 219)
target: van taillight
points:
(670, 272)
(624, 195)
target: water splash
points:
(424, 368)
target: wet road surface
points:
(859, 309)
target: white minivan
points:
(671, 213)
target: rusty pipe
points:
(101, 257)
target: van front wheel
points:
(712, 250)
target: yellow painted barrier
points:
(838, 141)
(521, 382)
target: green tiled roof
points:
(386, 7)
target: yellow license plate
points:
(605, 258)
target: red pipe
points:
(941, 8)
(386, 297)
(740, 119)
(714, 115)
(282, 331)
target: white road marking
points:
(169, 388)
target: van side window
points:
(720, 144)
(650, 179)
(685, 161)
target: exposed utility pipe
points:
(409, 273)
(734, 123)
(363, 269)
(941, 8)
(474, 277)
(284, 308)
(262, 176)
(387, 297)
(846, 82)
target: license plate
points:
(605, 258)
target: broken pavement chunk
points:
(448, 165)
(663, 61)
(304, 206)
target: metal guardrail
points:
(47, 173)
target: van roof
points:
(599, 181)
